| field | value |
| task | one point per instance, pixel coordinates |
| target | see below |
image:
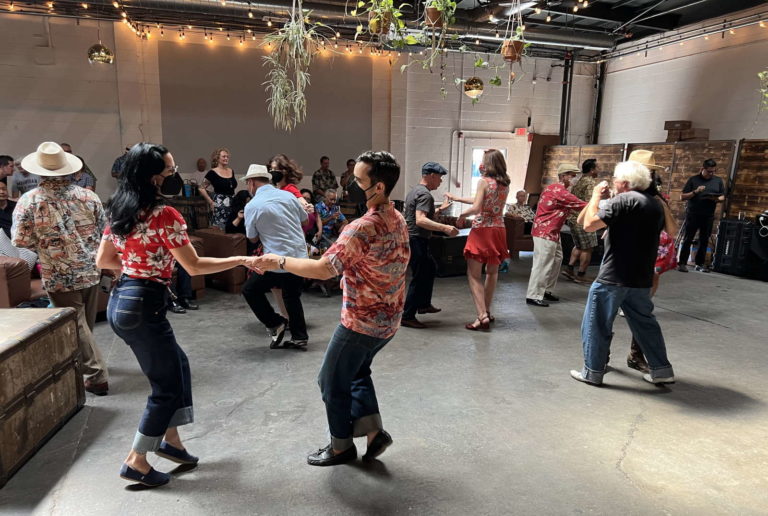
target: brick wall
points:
(750, 186)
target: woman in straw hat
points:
(144, 239)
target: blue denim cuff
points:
(183, 416)
(144, 444)
(592, 376)
(662, 372)
(367, 424)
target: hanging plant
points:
(383, 16)
(763, 76)
(293, 47)
(513, 49)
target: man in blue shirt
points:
(275, 217)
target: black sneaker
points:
(189, 304)
(380, 443)
(702, 268)
(177, 308)
(276, 334)
(549, 296)
(682, 268)
(325, 456)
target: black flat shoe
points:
(176, 455)
(189, 304)
(535, 302)
(549, 296)
(152, 479)
(325, 456)
(380, 443)
(177, 308)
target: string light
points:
(762, 24)
(549, 18)
(85, 6)
(706, 37)
(497, 34)
(50, 5)
(227, 36)
(575, 8)
(253, 37)
(116, 5)
(537, 10)
(338, 34)
(585, 4)
(124, 14)
(269, 23)
(732, 31)
(522, 27)
(11, 7)
(477, 42)
(221, 28)
(162, 32)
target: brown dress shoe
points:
(429, 310)
(99, 389)
(412, 323)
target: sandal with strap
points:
(481, 323)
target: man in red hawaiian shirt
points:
(555, 204)
(372, 253)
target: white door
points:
(515, 149)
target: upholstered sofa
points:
(223, 245)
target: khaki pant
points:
(84, 301)
(547, 257)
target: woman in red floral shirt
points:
(144, 239)
(487, 242)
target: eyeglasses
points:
(173, 169)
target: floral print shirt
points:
(324, 211)
(521, 210)
(324, 180)
(492, 214)
(372, 253)
(583, 190)
(62, 223)
(555, 204)
(146, 250)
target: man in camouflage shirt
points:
(583, 243)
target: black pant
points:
(423, 270)
(255, 293)
(693, 223)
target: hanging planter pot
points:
(473, 87)
(379, 23)
(433, 17)
(512, 50)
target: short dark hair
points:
(588, 166)
(324, 157)
(351, 160)
(384, 168)
(63, 144)
(311, 195)
(4, 160)
(709, 163)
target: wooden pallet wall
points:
(750, 186)
(607, 157)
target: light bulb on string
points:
(84, 5)
(731, 31)
(338, 34)
(11, 6)
(549, 18)
(253, 37)
(762, 24)
(227, 36)
(575, 8)
(50, 5)
(162, 33)
(116, 5)
(124, 14)
(477, 42)
(250, 13)
(497, 34)
(585, 4)
(269, 23)
(537, 10)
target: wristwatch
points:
(281, 262)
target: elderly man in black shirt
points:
(702, 191)
(419, 212)
(634, 220)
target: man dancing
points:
(372, 254)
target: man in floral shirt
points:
(555, 204)
(372, 254)
(63, 223)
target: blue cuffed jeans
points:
(136, 313)
(603, 303)
(346, 386)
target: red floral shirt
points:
(146, 251)
(555, 204)
(372, 253)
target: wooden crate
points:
(694, 134)
(41, 384)
(677, 125)
(750, 186)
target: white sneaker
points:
(659, 380)
(621, 313)
(576, 375)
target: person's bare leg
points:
(585, 256)
(172, 437)
(575, 254)
(474, 276)
(138, 461)
(491, 277)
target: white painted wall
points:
(51, 93)
(423, 122)
(711, 82)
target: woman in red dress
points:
(487, 242)
(144, 239)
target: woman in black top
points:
(222, 179)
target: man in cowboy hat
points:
(63, 223)
(702, 191)
(275, 217)
(554, 205)
(583, 242)
(634, 219)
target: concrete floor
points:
(483, 423)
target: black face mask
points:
(277, 176)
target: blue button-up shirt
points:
(275, 217)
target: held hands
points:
(252, 262)
(602, 190)
(451, 231)
(267, 262)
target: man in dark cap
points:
(419, 212)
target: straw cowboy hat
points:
(51, 160)
(255, 171)
(644, 157)
(567, 168)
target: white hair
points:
(636, 174)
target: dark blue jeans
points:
(603, 303)
(347, 388)
(136, 313)
(423, 270)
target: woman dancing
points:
(143, 239)
(487, 242)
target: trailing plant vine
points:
(763, 76)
